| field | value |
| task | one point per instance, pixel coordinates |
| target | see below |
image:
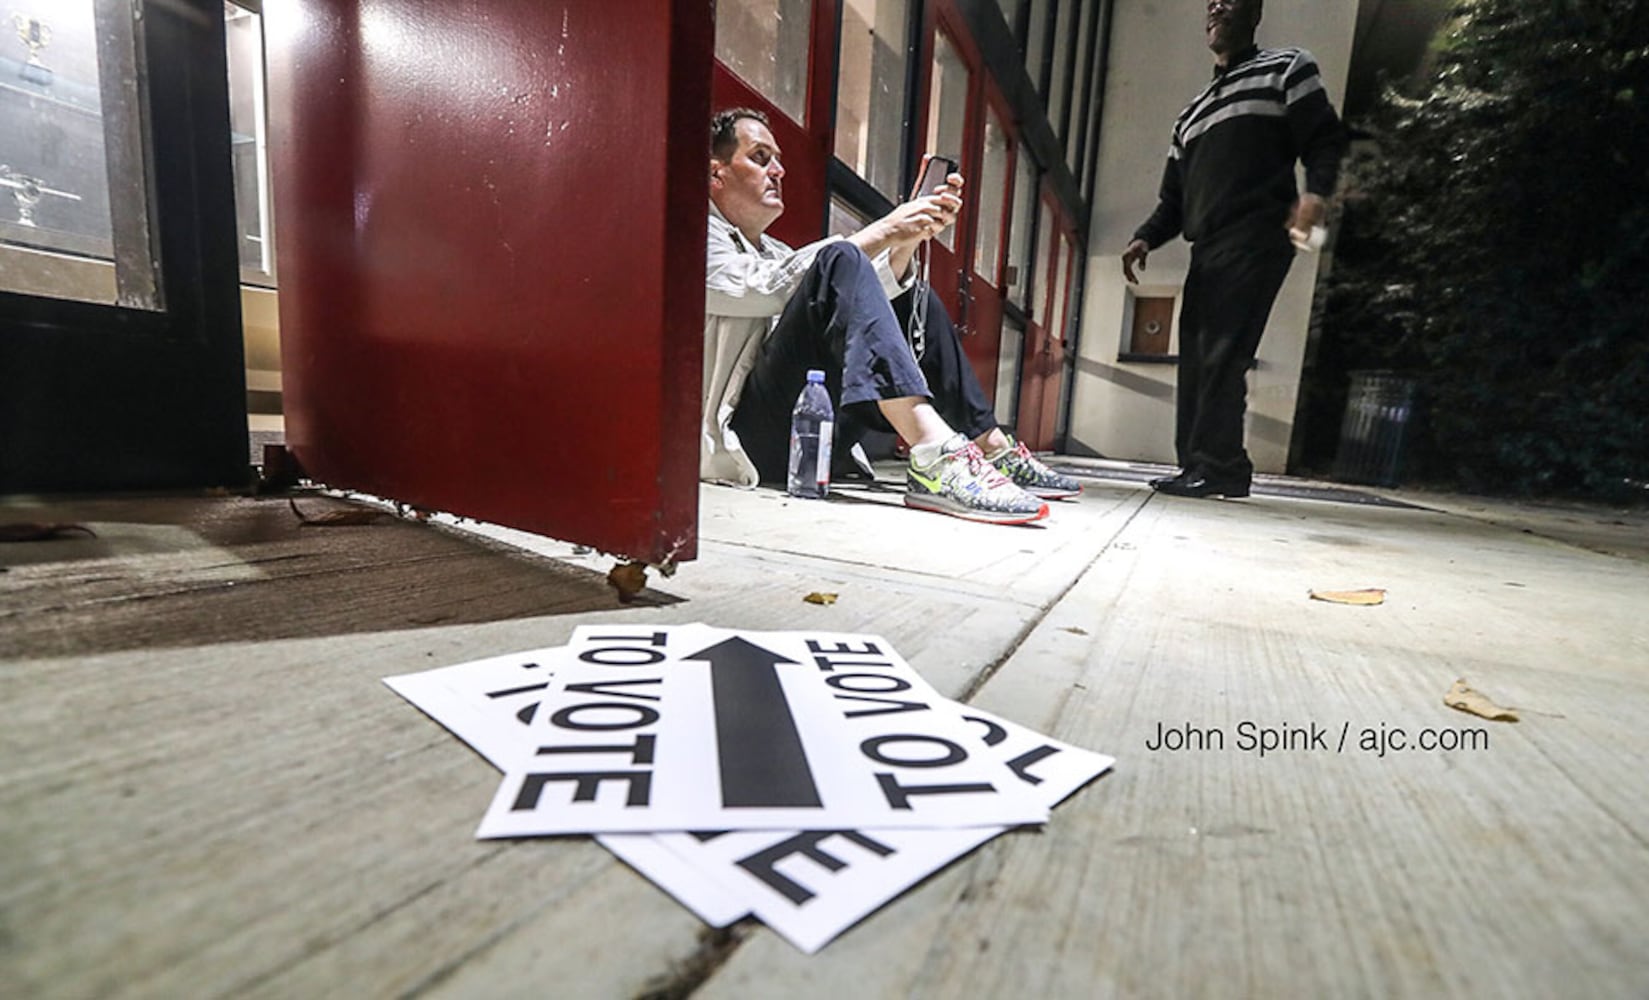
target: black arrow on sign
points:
(762, 760)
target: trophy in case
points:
(26, 192)
(36, 34)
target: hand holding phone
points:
(935, 168)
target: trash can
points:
(1375, 431)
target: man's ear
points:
(716, 167)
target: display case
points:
(74, 178)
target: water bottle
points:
(812, 425)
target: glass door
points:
(75, 213)
(952, 98)
(976, 267)
(775, 56)
(992, 194)
(1045, 348)
(1016, 285)
(120, 349)
(872, 80)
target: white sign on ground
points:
(672, 728)
(490, 703)
(812, 885)
(473, 699)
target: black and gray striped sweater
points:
(1230, 169)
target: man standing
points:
(832, 303)
(1229, 188)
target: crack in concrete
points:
(984, 676)
(715, 948)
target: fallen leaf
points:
(335, 518)
(39, 531)
(628, 578)
(1468, 699)
(818, 598)
(1368, 595)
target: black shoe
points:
(850, 465)
(1203, 486)
(1161, 481)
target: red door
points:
(950, 127)
(1044, 368)
(491, 239)
(968, 118)
(992, 194)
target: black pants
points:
(840, 321)
(1228, 296)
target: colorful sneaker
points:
(963, 484)
(1028, 473)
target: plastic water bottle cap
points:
(815, 375)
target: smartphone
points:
(935, 168)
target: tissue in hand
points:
(1309, 242)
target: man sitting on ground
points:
(832, 300)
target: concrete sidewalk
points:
(261, 817)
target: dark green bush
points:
(1494, 241)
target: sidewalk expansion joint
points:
(716, 946)
(990, 670)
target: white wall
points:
(1159, 60)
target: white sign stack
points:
(833, 776)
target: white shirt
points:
(745, 290)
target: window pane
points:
(765, 43)
(845, 220)
(947, 109)
(249, 139)
(1007, 371)
(1061, 301)
(52, 139)
(991, 194)
(1036, 41)
(1089, 156)
(1079, 89)
(870, 90)
(1039, 292)
(70, 130)
(1019, 230)
(1010, 12)
(1060, 87)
